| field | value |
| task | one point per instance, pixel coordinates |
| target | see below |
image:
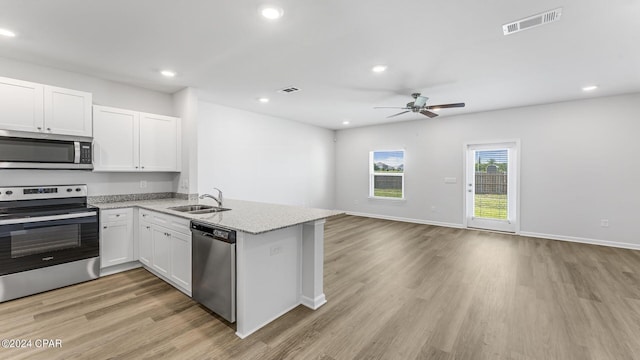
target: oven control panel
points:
(42, 192)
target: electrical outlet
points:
(143, 184)
(275, 250)
(604, 223)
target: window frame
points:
(372, 175)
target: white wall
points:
(185, 103)
(104, 93)
(262, 158)
(577, 167)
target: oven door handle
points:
(47, 218)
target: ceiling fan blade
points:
(390, 107)
(428, 113)
(400, 113)
(444, 106)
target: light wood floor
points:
(394, 290)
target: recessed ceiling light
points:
(263, 100)
(346, 122)
(7, 33)
(590, 88)
(436, 109)
(271, 12)
(379, 68)
(168, 73)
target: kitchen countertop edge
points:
(268, 217)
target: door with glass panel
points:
(491, 186)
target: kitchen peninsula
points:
(279, 253)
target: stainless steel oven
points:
(49, 238)
(19, 150)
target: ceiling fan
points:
(420, 105)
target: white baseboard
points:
(521, 233)
(409, 220)
(119, 268)
(581, 240)
(313, 304)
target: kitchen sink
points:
(190, 208)
(198, 209)
(207, 211)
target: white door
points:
(115, 139)
(491, 186)
(21, 105)
(67, 112)
(159, 143)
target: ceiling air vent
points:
(532, 21)
(288, 90)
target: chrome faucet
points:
(217, 199)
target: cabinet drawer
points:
(116, 215)
(170, 222)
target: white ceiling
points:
(451, 51)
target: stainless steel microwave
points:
(19, 150)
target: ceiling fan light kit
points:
(419, 105)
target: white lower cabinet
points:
(116, 237)
(161, 247)
(144, 242)
(165, 247)
(181, 259)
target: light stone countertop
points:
(246, 216)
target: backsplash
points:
(136, 197)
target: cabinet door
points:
(160, 248)
(145, 248)
(115, 139)
(21, 105)
(116, 243)
(181, 259)
(67, 112)
(159, 143)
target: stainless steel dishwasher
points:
(214, 269)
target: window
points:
(386, 174)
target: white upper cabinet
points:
(67, 112)
(115, 140)
(125, 140)
(21, 105)
(31, 107)
(159, 142)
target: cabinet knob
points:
(104, 227)
(39, 128)
(117, 215)
(143, 167)
(48, 129)
(148, 227)
(136, 167)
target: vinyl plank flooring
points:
(395, 291)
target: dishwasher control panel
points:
(215, 232)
